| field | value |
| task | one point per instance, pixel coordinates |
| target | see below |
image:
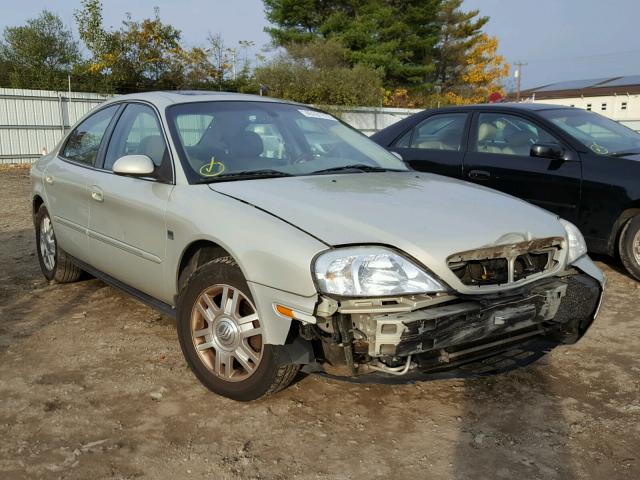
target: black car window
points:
(404, 141)
(602, 135)
(83, 143)
(508, 134)
(137, 133)
(440, 132)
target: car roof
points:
(506, 106)
(171, 97)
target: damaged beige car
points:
(279, 237)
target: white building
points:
(616, 97)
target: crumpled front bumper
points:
(560, 308)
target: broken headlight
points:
(370, 272)
(576, 244)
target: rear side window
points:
(438, 132)
(84, 142)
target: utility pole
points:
(518, 75)
(233, 52)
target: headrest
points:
(246, 144)
(487, 131)
(519, 139)
(154, 147)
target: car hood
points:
(428, 216)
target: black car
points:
(577, 164)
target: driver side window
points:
(508, 135)
(137, 133)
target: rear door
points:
(127, 230)
(436, 144)
(65, 181)
(499, 157)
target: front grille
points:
(505, 264)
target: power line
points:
(584, 57)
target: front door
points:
(499, 157)
(127, 230)
(65, 182)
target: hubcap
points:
(47, 243)
(227, 333)
(636, 248)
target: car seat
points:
(518, 144)
(487, 133)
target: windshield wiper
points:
(244, 175)
(356, 167)
(623, 154)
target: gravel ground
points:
(93, 385)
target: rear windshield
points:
(220, 138)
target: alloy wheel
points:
(226, 333)
(47, 243)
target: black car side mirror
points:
(547, 150)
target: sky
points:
(558, 39)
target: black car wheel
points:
(630, 246)
(221, 335)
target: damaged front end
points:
(428, 332)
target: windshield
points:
(226, 140)
(601, 135)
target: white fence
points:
(34, 120)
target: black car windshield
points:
(602, 135)
(235, 140)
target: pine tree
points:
(460, 31)
(396, 37)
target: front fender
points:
(269, 252)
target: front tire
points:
(221, 335)
(629, 246)
(54, 262)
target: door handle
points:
(48, 179)
(96, 194)
(479, 175)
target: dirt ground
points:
(93, 386)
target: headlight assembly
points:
(576, 244)
(370, 272)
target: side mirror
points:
(134, 165)
(398, 155)
(547, 150)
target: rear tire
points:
(54, 262)
(221, 335)
(629, 246)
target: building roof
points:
(586, 88)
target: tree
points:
(460, 31)
(39, 53)
(395, 37)
(482, 74)
(140, 55)
(318, 73)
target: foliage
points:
(396, 37)
(482, 74)
(460, 32)
(139, 55)
(317, 73)
(407, 53)
(421, 48)
(42, 51)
